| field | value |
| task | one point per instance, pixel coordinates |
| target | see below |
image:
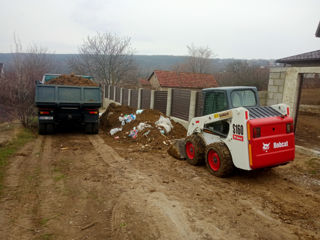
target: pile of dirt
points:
(72, 80)
(153, 137)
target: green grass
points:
(10, 149)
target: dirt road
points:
(76, 186)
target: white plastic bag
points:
(115, 130)
(165, 123)
(142, 126)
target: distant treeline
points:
(147, 63)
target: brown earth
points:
(310, 96)
(72, 80)
(76, 186)
(149, 138)
(308, 130)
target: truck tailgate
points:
(58, 94)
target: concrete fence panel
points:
(199, 104)
(118, 94)
(106, 91)
(180, 103)
(134, 98)
(111, 93)
(125, 97)
(145, 98)
(160, 101)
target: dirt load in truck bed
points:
(150, 135)
(72, 80)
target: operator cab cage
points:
(224, 98)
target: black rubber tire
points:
(42, 129)
(226, 167)
(199, 149)
(50, 128)
(95, 128)
(88, 128)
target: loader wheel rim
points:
(213, 160)
(190, 150)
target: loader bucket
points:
(177, 149)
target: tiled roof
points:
(302, 58)
(184, 80)
(144, 82)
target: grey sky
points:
(231, 28)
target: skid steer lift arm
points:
(197, 124)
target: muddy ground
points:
(76, 186)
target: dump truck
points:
(236, 132)
(63, 104)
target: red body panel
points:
(275, 146)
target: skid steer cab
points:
(236, 132)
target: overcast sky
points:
(231, 28)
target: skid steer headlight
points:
(256, 132)
(289, 127)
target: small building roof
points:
(318, 31)
(308, 57)
(172, 79)
(144, 82)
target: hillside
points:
(146, 63)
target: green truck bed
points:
(61, 95)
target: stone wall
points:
(276, 86)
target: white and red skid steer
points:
(236, 132)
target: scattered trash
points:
(126, 118)
(116, 137)
(139, 111)
(133, 133)
(142, 126)
(64, 148)
(146, 133)
(115, 130)
(165, 123)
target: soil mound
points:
(72, 80)
(153, 136)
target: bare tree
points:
(198, 60)
(239, 72)
(106, 57)
(19, 81)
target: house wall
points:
(154, 82)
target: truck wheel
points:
(50, 128)
(219, 160)
(88, 128)
(95, 128)
(42, 130)
(195, 148)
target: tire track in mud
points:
(140, 212)
(74, 192)
(249, 205)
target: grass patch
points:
(24, 136)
